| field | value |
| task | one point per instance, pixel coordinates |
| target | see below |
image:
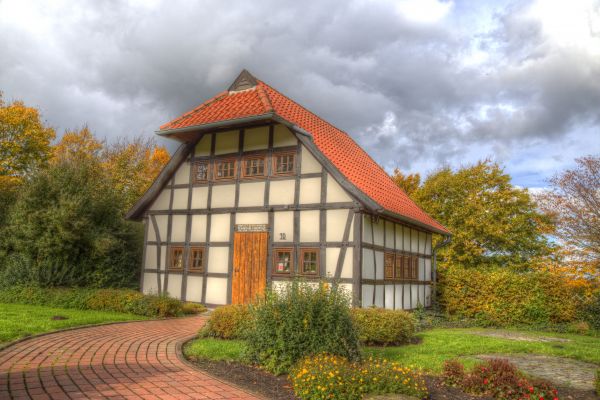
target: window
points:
(406, 267)
(200, 172)
(284, 163)
(388, 266)
(225, 169)
(254, 166)
(196, 259)
(176, 258)
(398, 265)
(282, 263)
(414, 271)
(309, 259)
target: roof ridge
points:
(186, 115)
(264, 98)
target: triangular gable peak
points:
(250, 101)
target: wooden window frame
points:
(191, 259)
(276, 250)
(172, 250)
(250, 158)
(278, 154)
(195, 165)
(317, 261)
(414, 271)
(387, 273)
(216, 169)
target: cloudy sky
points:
(419, 83)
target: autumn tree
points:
(409, 183)
(573, 202)
(78, 146)
(493, 222)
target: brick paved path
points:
(136, 360)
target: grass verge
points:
(216, 349)
(19, 320)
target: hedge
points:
(378, 326)
(117, 300)
(503, 297)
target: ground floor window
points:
(282, 263)
(176, 258)
(196, 259)
(309, 261)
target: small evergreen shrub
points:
(301, 320)
(118, 300)
(499, 379)
(378, 326)
(228, 322)
(325, 376)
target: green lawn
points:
(18, 320)
(436, 346)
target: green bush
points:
(591, 311)
(597, 382)
(228, 322)
(503, 297)
(326, 376)
(300, 320)
(378, 326)
(118, 300)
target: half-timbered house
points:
(260, 191)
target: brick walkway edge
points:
(135, 360)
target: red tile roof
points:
(343, 152)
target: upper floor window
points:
(309, 259)
(254, 166)
(388, 266)
(176, 258)
(196, 259)
(282, 262)
(284, 163)
(200, 171)
(225, 169)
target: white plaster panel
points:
(256, 138)
(219, 227)
(414, 240)
(310, 191)
(379, 265)
(368, 269)
(428, 244)
(281, 192)
(199, 197)
(427, 296)
(347, 266)
(399, 243)
(180, 199)
(279, 286)
(252, 218)
(174, 286)
(162, 200)
(223, 196)
(150, 261)
(415, 295)
(389, 297)
(198, 233)
(309, 164)
(162, 224)
(422, 269)
(182, 175)
(227, 142)
(428, 269)
(283, 222)
(378, 232)
(406, 236)
(347, 288)
(422, 242)
(389, 234)
(309, 226)
(252, 194)
(367, 236)
(367, 295)
(335, 193)
(150, 284)
(194, 289)
(203, 146)
(336, 224)
(151, 237)
(379, 295)
(398, 296)
(407, 305)
(163, 257)
(178, 228)
(331, 258)
(282, 137)
(216, 290)
(218, 259)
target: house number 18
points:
(282, 236)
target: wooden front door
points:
(249, 266)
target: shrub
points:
(228, 322)
(300, 320)
(379, 326)
(503, 297)
(499, 379)
(325, 376)
(591, 311)
(118, 300)
(597, 382)
(453, 373)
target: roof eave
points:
(215, 125)
(402, 218)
